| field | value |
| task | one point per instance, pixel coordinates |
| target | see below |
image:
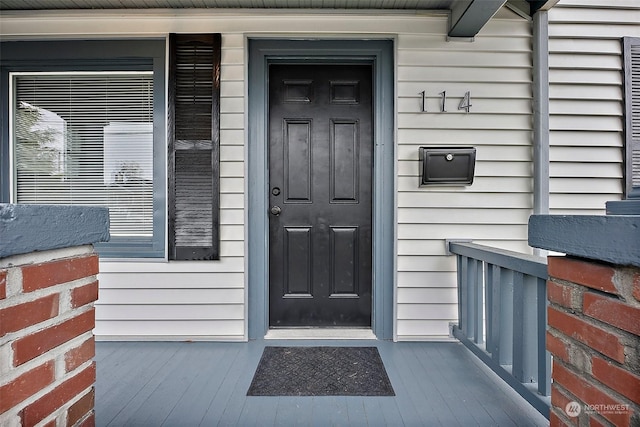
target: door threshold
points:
(320, 334)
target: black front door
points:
(320, 171)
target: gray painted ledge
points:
(612, 238)
(29, 228)
(623, 207)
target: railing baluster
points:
(525, 337)
(478, 330)
(506, 317)
(488, 305)
(462, 294)
(518, 326)
(471, 289)
(530, 349)
(544, 357)
(496, 310)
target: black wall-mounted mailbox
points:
(447, 165)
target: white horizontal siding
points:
(416, 198)
(423, 329)
(463, 216)
(599, 4)
(495, 209)
(586, 110)
(170, 296)
(179, 312)
(168, 329)
(207, 300)
(444, 295)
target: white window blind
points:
(635, 114)
(631, 49)
(86, 139)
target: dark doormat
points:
(320, 371)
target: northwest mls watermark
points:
(573, 409)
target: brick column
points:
(594, 328)
(47, 316)
(593, 316)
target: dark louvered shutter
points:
(632, 116)
(194, 146)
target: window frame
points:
(95, 55)
(630, 191)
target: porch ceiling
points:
(213, 4)
(468, 16)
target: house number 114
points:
(465, 102)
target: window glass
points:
(86, 139)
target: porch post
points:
(540, 115)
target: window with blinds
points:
(631, 48)
(86, 138)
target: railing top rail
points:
(528, 264)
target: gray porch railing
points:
(502, 312)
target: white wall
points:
(586, 110)
(496, 69)
(206, 300)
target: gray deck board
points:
(205, 384)
(135, 368)
(134, 413)
(195, 401)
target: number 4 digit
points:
(465, 103)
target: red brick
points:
(21, 316)
(616, 378)
(588, 334)
(590, 274)
(557, 347)
(90, 421)
(3, 284)
(588, 393)
(26, 385)
(556, 421)
(594, 422)
(51, 423)
(53, 273)
(613, 312)
(31, 346)
(77, 356)
(84, 295)
(560, 400)
(636, 286)
(50, 402)
(81, 408)
(560, 294)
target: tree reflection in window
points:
(40, 147)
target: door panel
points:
(297, 262)
(320, 169)
(344, 262)
(344, 161)
(297, 156)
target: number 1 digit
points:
(423, 102)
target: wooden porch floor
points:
(193, 384)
